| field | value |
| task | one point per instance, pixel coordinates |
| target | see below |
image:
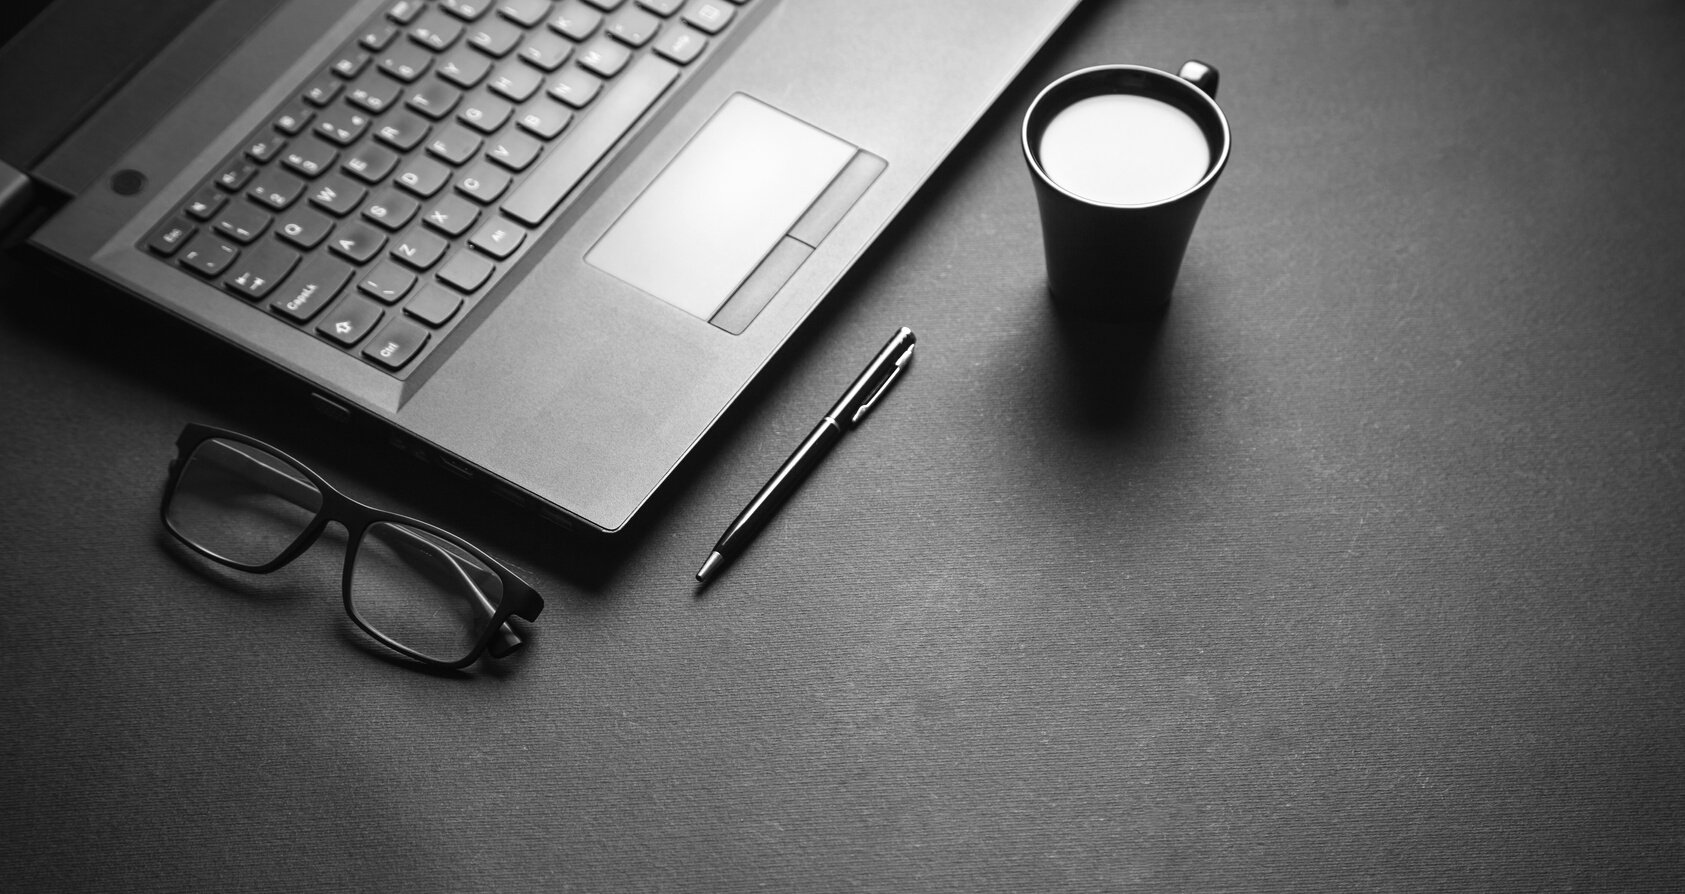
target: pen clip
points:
(900, 364)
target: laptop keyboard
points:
(391, 192)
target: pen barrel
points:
(784, 482)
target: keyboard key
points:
(453, 215)
(337, 195)
(387, 283)
(378, 37)
(310, 156)
(436, 31)
(604, 57)
(294, 120)
(455, 144)
(397, 343)
(349, 64)
(464, 68)
(495, 37)
(661, 8)
(575, 20)
(423, 176)
(484, 112)
(404, 11)
(681, 44)
(169, 238)
(304, 227)
(264, 148)
(322, 91)
(311, 288)
(499, 238)
(242, 222)
(370, 162)
(403, 131)
(560, 171)
(576, 87)
(514, 151)
(208, 255)
(467, 10)
(205, 203)
(546, 51)
(374, 93)
(709, 16)
(235, 177)
(482, 183)
(342, 125)
(433, 305)
(405, 61)
(419, 249)
(357, 241)
(607, 5)
(633, 27)
(259, 270)
(466, 271)
(516, 81)
(435, 98)
(545, 118)
(350, 321)
(391, 209)
(524, 12)
(276, 189)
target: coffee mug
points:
(1123, 158)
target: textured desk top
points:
(1363, 571)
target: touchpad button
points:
(709, 218)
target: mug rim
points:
(1182, 83)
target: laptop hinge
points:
(140, 100)
(16, 191)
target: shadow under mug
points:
(1119, 261)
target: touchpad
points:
(721, 206)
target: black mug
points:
(1124, 192)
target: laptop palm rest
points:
(729, 219)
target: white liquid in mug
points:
(1124, 149)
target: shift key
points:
(309, 290)
(616, 111)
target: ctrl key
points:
(397, 343)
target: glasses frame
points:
(518, 598)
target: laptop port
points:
(456, 465)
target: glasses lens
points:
(241, 503)
(423, 591)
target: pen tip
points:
(709, 567)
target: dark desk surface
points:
(1365, 572)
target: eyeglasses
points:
(415, 587)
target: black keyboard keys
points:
(433, 305)
(169, 238)
(350, 320)
(276, 188)
(357, 242)
(337, 194)
(311, 288)
(387, 283)
(257, 271)
(453, 215)
(304, 227)
(208, 255)
(396, 343)
(466, 271)
(242, 222)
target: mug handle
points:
(1200, 75)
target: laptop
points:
(543, 243)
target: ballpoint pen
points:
(856, 402)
